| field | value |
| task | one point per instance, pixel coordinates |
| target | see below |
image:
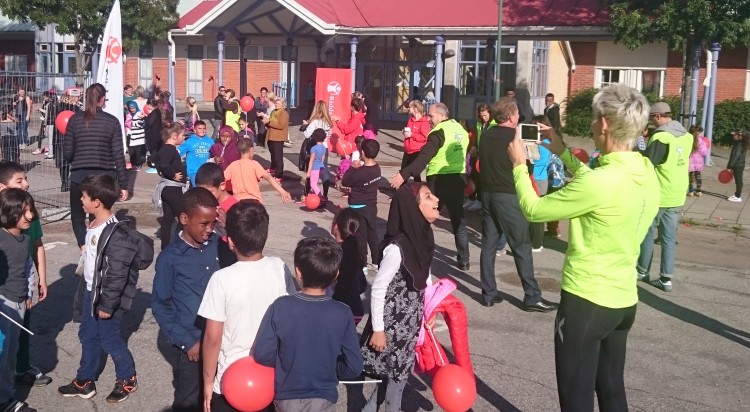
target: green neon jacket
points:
(610, 210)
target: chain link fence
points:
(29, 103)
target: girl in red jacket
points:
(355, 126)
(415, 134)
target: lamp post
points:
(498, 48)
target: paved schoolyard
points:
(688, 349)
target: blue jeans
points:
(666, 224)
(9, 345)
(97, 335)
(23, 131)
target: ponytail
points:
(94, 94)
(171, 129)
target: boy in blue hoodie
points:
(196, 150)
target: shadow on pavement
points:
(690, 316)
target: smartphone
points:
(530, 132)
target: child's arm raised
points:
(210, 355)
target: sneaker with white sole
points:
(665, 286)
(538, 249)
(123, 389)
(83, 389)
(734, 199)
(33, 377)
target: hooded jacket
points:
(610, 210)
(669, 150)
(120, 254)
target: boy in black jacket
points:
(364, 181)
(114, 255)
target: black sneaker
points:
(15, 406)
(123, 389)
(33, 377)
(83, 389)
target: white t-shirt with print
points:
(239, 296)
(92, 241)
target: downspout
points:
(572, 61)
(171, 75)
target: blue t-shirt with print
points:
(320, 152)
(197, 152)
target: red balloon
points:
(62, 119)
(580, 154)
(470, 188)
(476, 166)
(726, 176)
(312, 201)
(344, 148)
(146, 109)
(247, 103)
(454, 388)
(248, 386)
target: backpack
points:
(303, 161)
(556, 171)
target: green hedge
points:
(729, 115)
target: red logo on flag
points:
(114, 50)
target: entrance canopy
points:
(558, 19)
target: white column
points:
(353, 61)
(439, 44)
(220, 57)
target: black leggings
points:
(77, 215)
(370, 215)
(137, 155)
(590, 342)
(738, 171)
(171, 204)
(277, 157)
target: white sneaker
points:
(539, 249)
(467, 203)
(734, 198)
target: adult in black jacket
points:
(63, 166)
(153, 126)
(93, 145)
(220, 103)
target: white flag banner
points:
(110, 70)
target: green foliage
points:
(143, 22)
(577, 117)
(674, 21)
(730, 115)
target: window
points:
(16, 63)
(476, 74)
(651, 82)
(252, 53)
(270, 52)
(146, 52)
(230, 52)
(195, 52)
(539, 60)
(608, 77)
(647, 81)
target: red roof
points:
(441, 13)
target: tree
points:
(682, 24)
(143, 22)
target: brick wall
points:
(130, 70)
(585, 57)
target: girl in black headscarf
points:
(397, 295)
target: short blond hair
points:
(625, 109)
(416, 104)
(503, 109)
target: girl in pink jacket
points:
(697, 160)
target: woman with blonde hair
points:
(415, 134)
(192, 115)
(277, 123)
(319, 119)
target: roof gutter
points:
(571, 57)
(560, 33)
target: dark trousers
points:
(77, 215)
(407, 160)
(219, 404)
(171, 204)
(326, 186)
(449, 189)
(370, 215)
(10, 149)
(23, 363)
(261, 138)
(277, 158)
(590, 343)
(23, 130)
(738, 171)
(501, 215)
(97, 335)
(187, 380)
(137, 155)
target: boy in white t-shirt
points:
(238, 296)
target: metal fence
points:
(28, 104)
(279, 89)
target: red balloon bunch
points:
(344, 147)
(454, 388)
(62, 119)
(248, 386)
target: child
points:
(191, 117)
(356, 154)
(364, 182)
(246, 173)
(136, 132)
(13, 175)
(211, 177)
(351, 282)
(697, 161)
(224, 152)
(237, 297)
(179, 284)
(245, 131)
(196, 150)
(317, 169)
(17, 211)
(172, 185)
(736, 162)
(540, 175)
(308, 338)
(113, 258)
